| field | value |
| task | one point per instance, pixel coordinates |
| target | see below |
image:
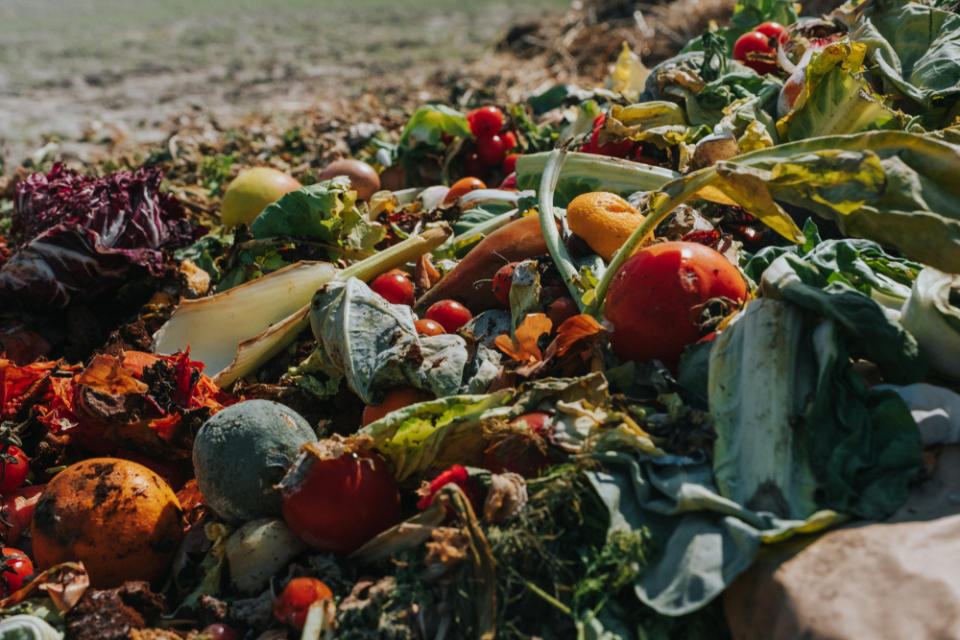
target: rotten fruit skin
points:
(242, 452)
(119, 518)
(335, 501)
(654, 297)
(251, 191)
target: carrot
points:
(469, 282)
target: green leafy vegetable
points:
(430, 122)
(835, 98)
(325, 211)
(916, 50)
(932, 314)
(373, 344)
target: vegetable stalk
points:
(548, 226)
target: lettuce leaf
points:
(325, 211)
(916, 51)
(835, 98)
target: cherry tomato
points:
(491, 150)
(427, 327)
(654, 298)
(450, 314)
(14, 467)
(337, 500)
(510, 163)
(395, 286)
(502, 281)
(753, 49)
(17, 510)
(485, 121)
(293, 603)
(463, 186)
(396, 399)
(509, 139)
(16, 569)
(773, 30)
(220, 631)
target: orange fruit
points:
(462, 187)
(117, 517)
(251, 191)
(604, 220)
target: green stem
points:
(548, 226)
(399, 254)
(549, 599)
(677, 191)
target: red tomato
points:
(335, 502)
(395, 286)
(16, 569)
(491, 150)
(502, 281)
(14, 467)
(461, 187)
(773, 30)
(396, 399)
(450, 314)
(753, 49)
(509, 139)
(654, 298)
(510, 163)
(17, 511)
(485, 121)
(428, 327)
(293, 604)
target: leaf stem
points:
(548, 226)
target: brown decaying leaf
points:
(574, 329)
(523, 348)
(106, 374)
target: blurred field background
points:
(84, 69)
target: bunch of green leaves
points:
(915, 50)
(326, 212)
(836, 97)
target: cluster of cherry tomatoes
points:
(493, 144)
(757, 49)
(445, 316)
(15, 515)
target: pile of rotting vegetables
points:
(689, 323)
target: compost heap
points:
(691, 321)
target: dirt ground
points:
(83, 72)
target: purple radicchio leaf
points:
(78, 236)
